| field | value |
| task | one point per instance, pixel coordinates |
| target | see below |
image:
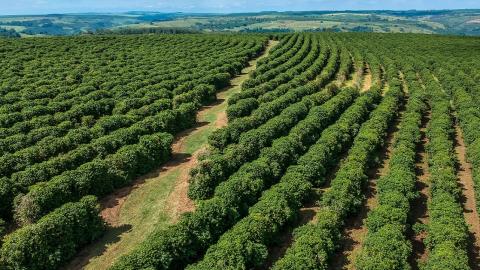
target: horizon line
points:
(225, 13)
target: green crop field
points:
(242, 150)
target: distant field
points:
(458, 22)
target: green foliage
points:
(386, 246)
(313, 247)
(81, 111)
(447, 229)
(218, 167)
(86, 115)
(91, 122)
(98, 177)
(275, 101)
(280, 204)
(3, 228)
(446, 256)
(314, 244)
(55, 238)
(242, 189)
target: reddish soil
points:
(465, 177)
(112, 204)
(178, 201)
(222, 120)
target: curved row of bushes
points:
(299, 79)
(19, 97)
(327, 74)
(245, 245)
(344, 197)
(187, 240)
(293, 57)
(385, 245)
(280, 98)
(285, 44)
(98, 177)
(448, 235)
(47, 144)
(219, 166)
(246, 106)
(232, 133)
(52, 156)
(275, 60)
(346, 64)
(209, 173)
(62, 107)
(165, 121)
(277, 87)
(50, 146)
(152, 90)
(275, 82)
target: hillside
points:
(455, 22)
(240, 151)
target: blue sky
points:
(8, 7)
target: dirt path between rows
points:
(307, 215)
(367, 78)
(354, 79)
(355, 227)
(465, 178)
(419, 209)
(160, 197)
(308, 212)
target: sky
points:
(13, 7)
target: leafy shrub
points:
(55, 238)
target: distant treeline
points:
(9, 33)
(267, 30)
(145, 30)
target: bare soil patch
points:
(465, 178)
(112, 204)
(367, 78)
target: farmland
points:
(457, 22)
(240, 151)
